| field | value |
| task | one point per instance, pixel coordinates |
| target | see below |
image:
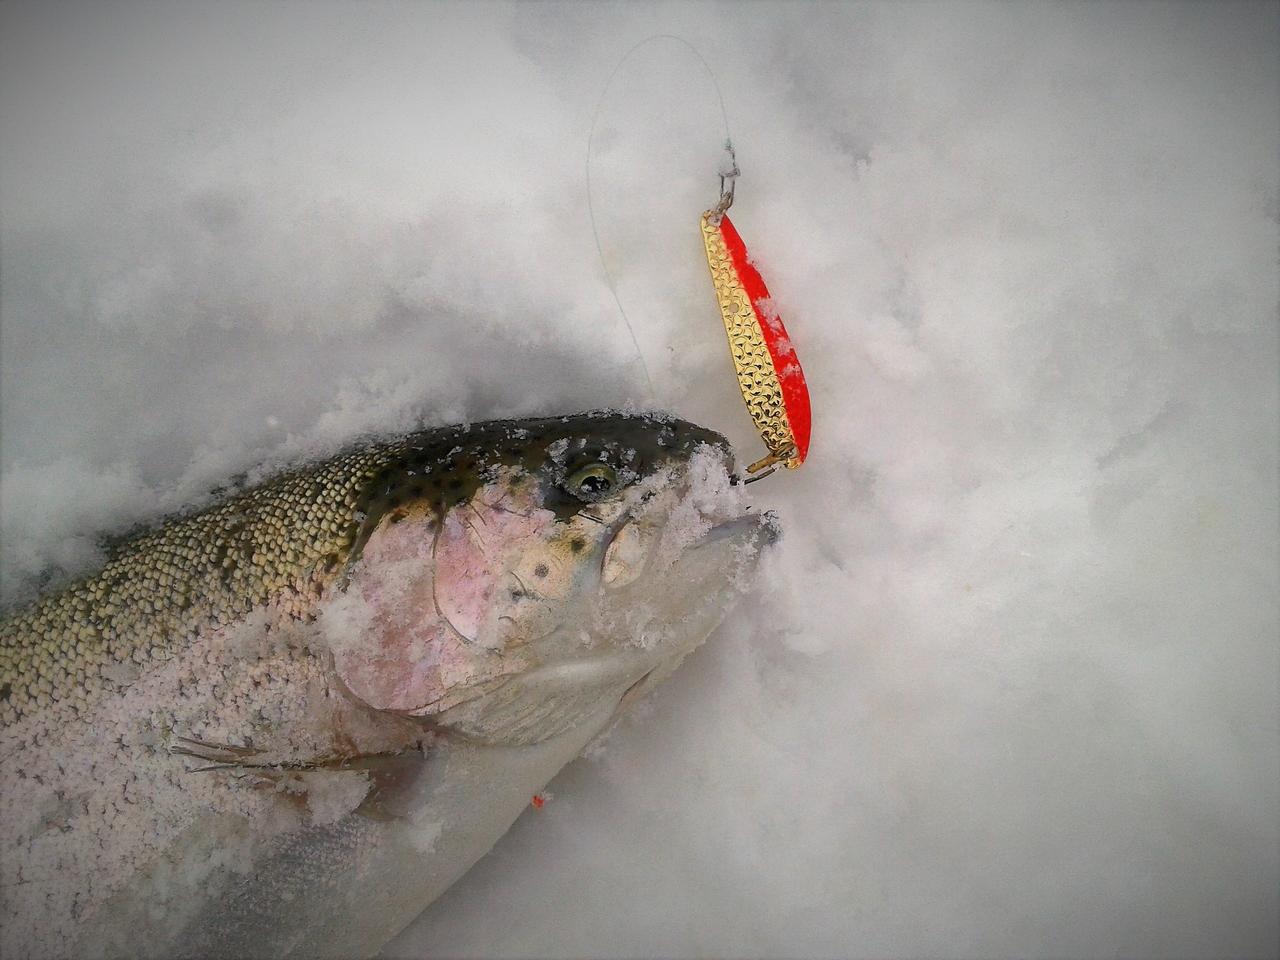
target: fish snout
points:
(764, 529)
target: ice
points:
(1007, 685)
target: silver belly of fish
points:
(283, 725)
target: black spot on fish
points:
(540, 570)
(5, 692)
(577, 544)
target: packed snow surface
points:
(1009, 684)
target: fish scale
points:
(287, 537)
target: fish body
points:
(283, 724)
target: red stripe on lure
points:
(786, 365)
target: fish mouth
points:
(750, 533)
(631, 552)
(765, 526)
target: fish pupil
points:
(595, 484)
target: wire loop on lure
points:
(730, 174)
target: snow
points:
(1011, 684)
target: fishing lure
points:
(769, 373)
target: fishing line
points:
(591, 210)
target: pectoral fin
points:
(387, 776)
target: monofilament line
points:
(591, 210)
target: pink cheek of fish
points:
(405, 657)
(479, 546)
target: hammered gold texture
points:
(278, 543)
(757, 377)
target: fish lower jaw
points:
(544, 702)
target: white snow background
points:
(1010, 684)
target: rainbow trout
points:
(284, 724)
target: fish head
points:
(549, 569)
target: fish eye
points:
(593, 482)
